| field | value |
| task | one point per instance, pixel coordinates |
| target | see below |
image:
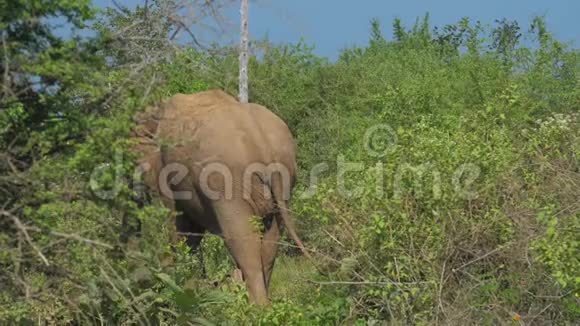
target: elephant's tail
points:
(277, 188)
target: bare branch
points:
(22, 228)
(181, 25)
(80, 239)
(6, 87)
(480, 258)
(369, 283)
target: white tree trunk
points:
(244, 52)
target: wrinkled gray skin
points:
(211, 129)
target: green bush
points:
(464, 208)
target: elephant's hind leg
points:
(244, 243)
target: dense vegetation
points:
(464, 209)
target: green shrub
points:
(464, 208)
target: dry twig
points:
(22, 228)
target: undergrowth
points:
(438, 181)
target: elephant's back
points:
(213, 126)
(276, 133)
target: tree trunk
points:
(244, 52)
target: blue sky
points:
(332, 25)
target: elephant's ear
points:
(147, 122)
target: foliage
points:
(464, 209)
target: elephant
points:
(221, 165)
